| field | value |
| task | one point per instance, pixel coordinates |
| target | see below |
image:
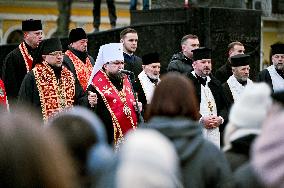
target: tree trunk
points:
(63, 20)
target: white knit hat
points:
(251, 108)
(107, 53)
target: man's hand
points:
(211, 122)
(139, 106)
(92, 98)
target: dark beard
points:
(115, 76)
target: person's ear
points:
(121, 41)
(182, 48)
(43, 57)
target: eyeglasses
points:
(56, 53)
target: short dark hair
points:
(125, 31)
(233, 44)
(189, 36)
(182, 102)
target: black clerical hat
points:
(77, 34)
(277, 48)
(151, 58)
(240, 60)
(31, 25)
(50, 45)
(201, 53)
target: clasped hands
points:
(211, 122)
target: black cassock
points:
(14, 71)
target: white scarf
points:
(277, 80)
(236, 87)
(147, 86)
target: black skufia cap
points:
(151, 58)
(77, 34)
(31, 25)
(277, 48)
(240, 60)
(50, 45)
(201, 53)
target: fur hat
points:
(201, 53)
(31, 25)
(77, 34)
(240, 60)
(150, 58)
(251, 108)
(247, 113)
(277, 48)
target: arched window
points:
(15, 37)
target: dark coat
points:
(139, 90)
(239, 153)
(224, 72)
(81, 55)
(246, 177)
(264, 76)
(141, 95)
(202, 163)
(13, 72)
(217, 91)
(180, 63)
(29, 93)
(133, 63)
(228, 95)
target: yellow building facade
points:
(12, 12)
(272, 32)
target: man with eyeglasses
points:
(116, 105)
(76, 58)
(51, 87)
(274, 74)
(20, 61)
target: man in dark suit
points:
(225, 71)
(129, 39)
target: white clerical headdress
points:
(107, 53)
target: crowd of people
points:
(116, 122)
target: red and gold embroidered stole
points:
(83, 70)
(118, 103)
(54, 96)
(27, 57)
(3, 96)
